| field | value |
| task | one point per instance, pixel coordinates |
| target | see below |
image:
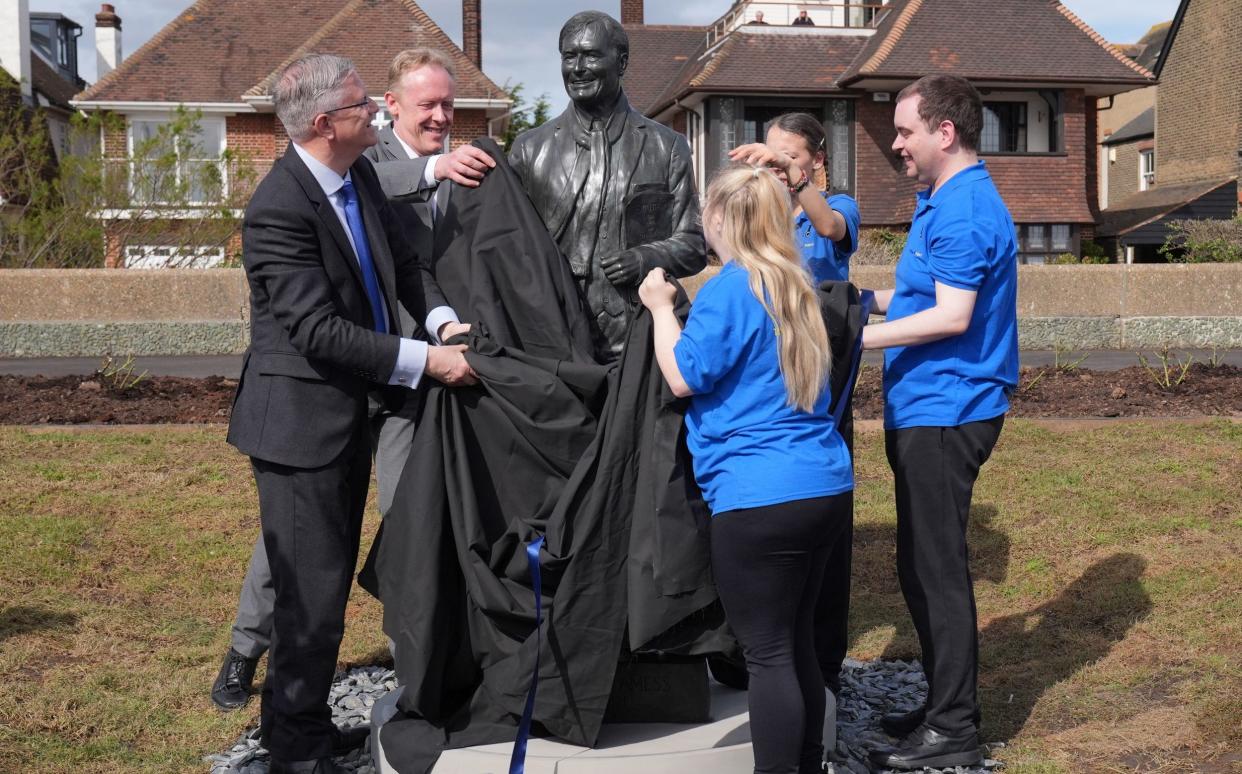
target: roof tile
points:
(218, 50)
(1028, 40)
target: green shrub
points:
(1204, 241)
(52, 213)
(1094, 252)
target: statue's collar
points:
(614, 126)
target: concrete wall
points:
(93, 312)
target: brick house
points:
(1040, 68)
(1126, 126)
(221, 57)
(1196, 132)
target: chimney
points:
(471, 35)
(15, 42)
(631, 11)
(107, 40)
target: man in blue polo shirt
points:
(951, 360)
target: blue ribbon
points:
(517, 763)
(865, 299)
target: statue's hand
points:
(623, 269)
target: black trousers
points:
(832, 611)
(934, 469)
(312, 520)
(769, 567)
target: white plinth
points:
(719, 747)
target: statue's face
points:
(591, 67)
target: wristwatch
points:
(794, 190)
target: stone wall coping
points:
(221, 295)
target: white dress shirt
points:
(412, 355)
(429, 174)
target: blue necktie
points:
(353, 216)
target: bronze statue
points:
(613, 187)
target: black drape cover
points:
(550, 443)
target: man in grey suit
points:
(410, 162)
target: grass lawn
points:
(1107, 559)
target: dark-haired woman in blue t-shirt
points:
(754, 359)
(825, 225)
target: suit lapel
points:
(632, 143)
(389, 145)
(574, 178)
(325, 211)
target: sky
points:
(520, 46)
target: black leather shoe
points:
(317, 766)
(900, 724)
(346, 740)
(925, 747)
(231, 690)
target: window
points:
(1004, 127)
(67, 44)
(167, 169)
(1147, 169)
(172, 257)
(42, 32)
(755, 120)
(1040, 242)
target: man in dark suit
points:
(327, 263)
(614, 187)
(411, 162)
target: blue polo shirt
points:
(750, 449)
(963, 237)
(824, 258)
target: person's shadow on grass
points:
(1025, 654)
(876, 596)
(19, 619)
(1021, 655)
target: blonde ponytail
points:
(757, 228)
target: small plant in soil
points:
(1172, 370)
(119, 376)
(1064, 359)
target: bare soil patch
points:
(1042, 392)
(1085, 393)
(70, 400)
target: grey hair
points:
(306, 88)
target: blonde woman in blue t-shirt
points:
(754, 359)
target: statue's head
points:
(594, 54)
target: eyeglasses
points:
(348, 107)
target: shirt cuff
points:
(429, 173)
(436, 319)
(411, 361)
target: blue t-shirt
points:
(961, 236)
(750, 449)
(824, 258)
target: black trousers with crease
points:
(312, 522)
(934, 471)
